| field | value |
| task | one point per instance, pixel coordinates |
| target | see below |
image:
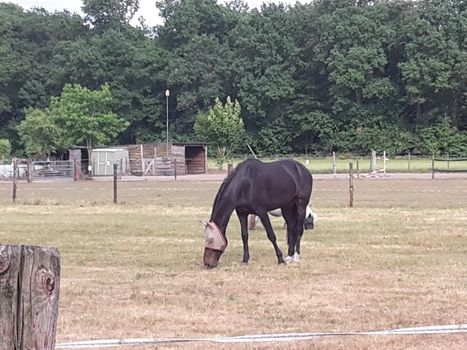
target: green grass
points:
(324, 165)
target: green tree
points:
(103, 13)
(443, 137)
(5, 148)
(222, 127)
(85, 116)
(39, 133)
(435, 66)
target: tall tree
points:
(105, 13)
(222, 126)
(435, 65)
(39, 134)
(85, 116)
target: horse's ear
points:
(205, 223)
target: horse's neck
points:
(222, 211)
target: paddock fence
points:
(448, 165)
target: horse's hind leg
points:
(301, 213)
(244, 226)
(290, 216)
(272, 237)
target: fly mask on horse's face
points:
(214, 244)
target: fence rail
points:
(448, 168)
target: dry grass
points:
(134, 270)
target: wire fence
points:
(262, 338)
(338, 163)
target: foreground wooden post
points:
(351, 184)
(229, 168)
(433, 167)
(29, 293)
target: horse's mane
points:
(223, 187)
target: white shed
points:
(103, 159)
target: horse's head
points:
(310, 219)
(214, 244)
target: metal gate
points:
(54, 169)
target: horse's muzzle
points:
(211, 257)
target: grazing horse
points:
(255, 188)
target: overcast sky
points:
(147, 7)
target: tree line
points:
(343, 75)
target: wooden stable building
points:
(153, 159)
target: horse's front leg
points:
(244, 226)
(272, 237)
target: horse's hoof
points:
(288, 260)
(296, 258)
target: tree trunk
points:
(418, 115)
(358, 96)
(29, 293)
(455, 111)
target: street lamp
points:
(167, 94)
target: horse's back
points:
(287, 178)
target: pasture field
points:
(323, 165)
(397, 259)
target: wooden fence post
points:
(115, 182)
(175, 168)
(351, 189)
(75, 171)
(30, 168)
(433, 167)
(408, 165)
(29, 293)
(358, 168)
(334, 166)
(15, 170)
(229, 168)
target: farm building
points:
(153, 159)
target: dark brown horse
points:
(255, 188)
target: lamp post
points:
(167, 94)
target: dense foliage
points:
(344, 75)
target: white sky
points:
(147, 7)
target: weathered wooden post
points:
(15, 170)
(175, 168)
(433, 167)
(358, 168)
(115, 182)
(408, 165)
(30, 168)
(351, 189)
(75, 171)
(29, 293)
(229, 168)
(334, 167)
